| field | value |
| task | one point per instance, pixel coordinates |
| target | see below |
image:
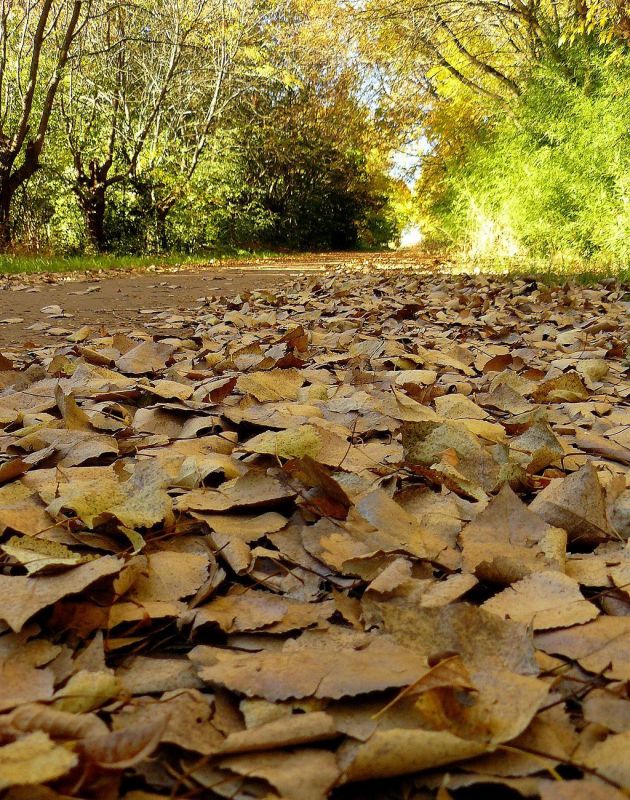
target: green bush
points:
(553, 179)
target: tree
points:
(224, 63)
(506, 100)
(125, 80)
(311, 170)
(36, 39)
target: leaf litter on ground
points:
(364, 528)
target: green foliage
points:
(552, 179)
(272, 122)
(305, 177)
(239, 123)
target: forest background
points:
(499, 128)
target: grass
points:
(551, 272)
(548, 272)
(13, 264)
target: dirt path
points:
(120, 301)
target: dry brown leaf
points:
(577, 504)
(325, 671)
(145, 675)
(602, 645)
(86, 691)
(23, 683)
(231, 534)
(609, 709)
(270, 440)
(299, 775)
(441, 593)
(400, 752)
(252, 610)
(34, 759)
(276, 384)
(144, 358)
(610, 759)
(58, 724)
(188, 716)
(482, 639)
(451, 447)
(507, 541)
(568, 388)
(75, 419)
(537, 447)
(138, 502)
(22, 597)
(543, 600)
(586, 789)
(288, 731)
(69, 448)
(39, 555)
(170, 575)
(123, 749)
(602, 446)
(252, 490)
(311, 441)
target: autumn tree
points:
(225, 59)
(516, 112)
(126, 78)
(36, 41)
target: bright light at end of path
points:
(411, 236)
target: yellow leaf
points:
(34, 759)
(38, 554)
(86, 691)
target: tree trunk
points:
(161, 213)
(6, 196)
(93, 207)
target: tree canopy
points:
(180, 124)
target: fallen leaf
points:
(22, 597)
(144, 358)
(86, 691)
(609, 759)
(299, 775)
(122, 749)
(276, 384)
(543, 600)
(34, 759)
(577, 504)
(320, 671)
(38, 555)
(401, 752)
(600, 646)
(508, 541)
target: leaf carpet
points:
(362, 536)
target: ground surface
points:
(346, 531)
(122, 299)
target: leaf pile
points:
(362, 529)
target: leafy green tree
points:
(308, 174)
(124, 79)
(36, 40)
(519, 108)
(225, 62)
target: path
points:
(117, 300)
